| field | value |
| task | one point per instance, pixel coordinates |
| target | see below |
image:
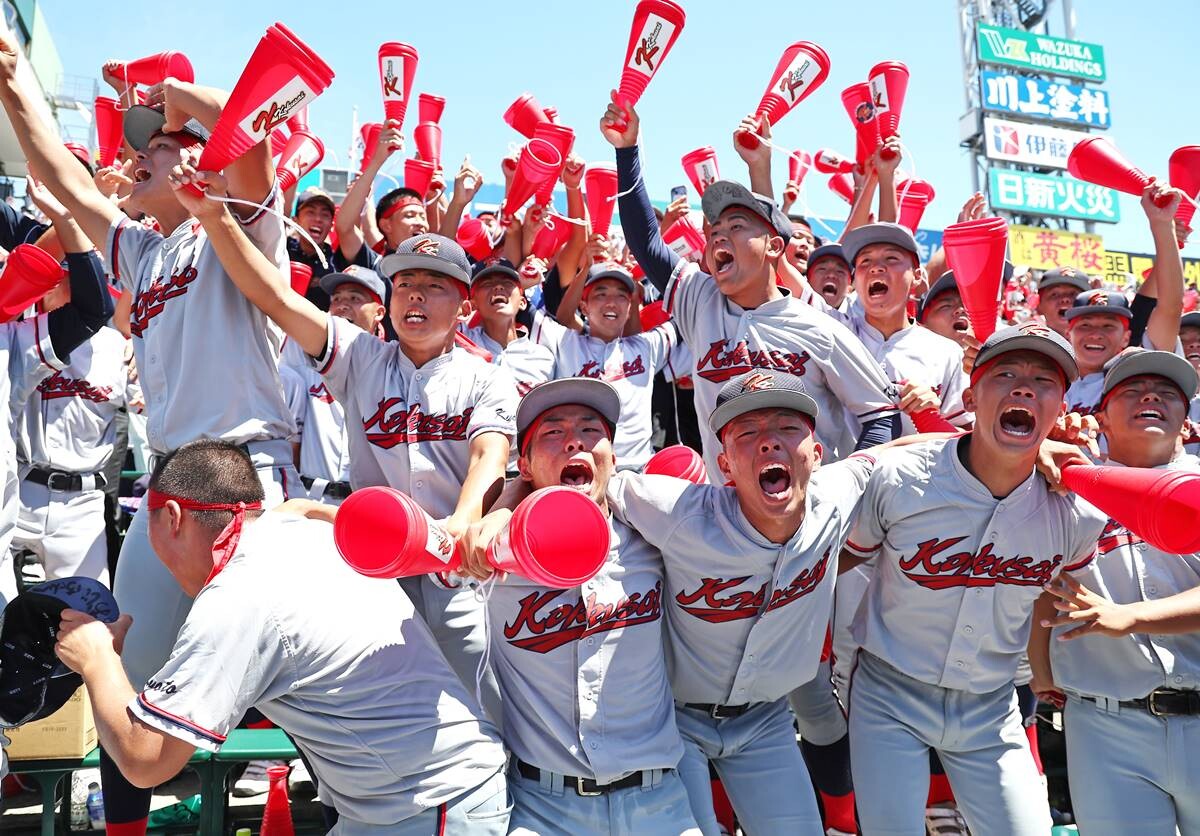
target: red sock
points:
(264, 723)
(129, 828)
(1031, 733)
(939, 791)
(839, 812)
(721, 806)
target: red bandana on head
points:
(226, 543)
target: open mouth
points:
(576, 474)
(775, 480)
(1192, 356)
(414, 317)
(1018, 421)
(1150, 413)
(829, 289)
(960, 324)
(1097, 347)
(141, 175)
(1062, 312)
(877, 289)
(316, 231)
(722, 260)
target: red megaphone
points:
(427, 136)
(551, 238)
(302, 154)
(397, 66)
(799, 162)
(1160, 506)
(600, 191)
(842, 185)
(1096, 160)
(802, 68)
(430, 107)
(301, 276)
(679, 461)
(563, 139)
(299, 120)
(701, 167)
(975, 252)
(656, 27)
(1183, 172)
(889, 83)
(538, 162)
(153, 69)
(828, 161)
(370, 136)
(856, 99)
(108, 129)
(524, 115)
(29, 274)
(684, 239)
(912, 197)
(473, 237)
(418, 174)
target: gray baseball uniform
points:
(527, 361)
(746, 625)
(321, 430)
(389, 731)
(941, 629)
(1131, 771)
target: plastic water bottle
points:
(95, 806)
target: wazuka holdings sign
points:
(1040, 53)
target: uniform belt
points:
(585, 786)
(57, 480)
(333, 490)
(720, 712)
(1164, 702)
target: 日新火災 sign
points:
(1041, 194)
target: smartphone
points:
(678, 192)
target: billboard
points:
(1019, 142)
(1040, 98)
(1040, 53)
(1041, 194)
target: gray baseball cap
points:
(429, 251)
(142, 123)
(362, 276)
(492, 266)
(1065, 275)
(1029, 336)
(722, 194)
(760, 389)
(856, 239)
(585, 391)
(1140, 362)
(1099, 302)
(834, 250)
(944, 283)
(597, 272)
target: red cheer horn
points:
(301, 277)
(701, 167)
(842, 185)
(539, 161)
(889, 83)
(913, 196)
(473, 237)
(554, 538)
(975, 252)
(430, 107)
(29, 274)
(524, 115)
(397, 66)
(799, 162)
(551, 238)
(679, 461)
(277, 141)
(651, 316)
(931, 421)
(108, 129)
(1096, 160)
(427, 136)
(1160, 506)
(828, 161)
(1183, 171)
(563, 139)
(153, 69)
(600, 190)
(282, 76)
(856, 99)
(656, 27)
(684, 239)
(802, 68)
(551, 113)
(370, 137)
(302, 154)
(298, 121)
(418, 174)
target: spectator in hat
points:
(315, 211)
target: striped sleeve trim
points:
(1081, 563)
(331, 348)
(861, 550)
(187, 725)
(883, 410)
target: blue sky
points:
(481, 56)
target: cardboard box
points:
(69, 732)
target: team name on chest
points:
(549, 629)
(395, 422)
(152, 301)
(1116, 536)
(722, 361)
(320, 392)
(58, 385)
(935, 565)
(715, 600)
(629, 368)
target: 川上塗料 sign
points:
(1039, 98)
(1040, 194)
(1040, 53)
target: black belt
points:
(1164, 702)
(583, 786)
(720, 712)
(334, 490)
(57, 480)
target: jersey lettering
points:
(59, 385)
(721, 363)
(718, 607)
(401, 425)
(320, 392)
(150, 302)
(629, 368)
(572, 622)
(942, 570)
(1116, 536)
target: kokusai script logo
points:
(152, 301)
(629, 368)
(720, 362)
(320, 392)
(718, 600)
(936, 566)
(395, 422)
(58, 385)
(655, 35)
(793, 82)
(270, 114)
(392, 88)
(569, 622)
(1116, 536)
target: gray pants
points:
(894, 722)
(482, 811)
(1132, 772)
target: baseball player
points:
(1189, 341)
(315, 211)
(941, 310)
(829, 274)
(738, 319)
(1127, 632)
(588, 709)
(629, 363)
(425, 417)
(1057, 290)
(963, 534)
(401, 750)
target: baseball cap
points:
(597, 272)
(1028, 336)
(494, 265)
(1064, 275)
(80, 152)
(1191, 319)
(429, 251)
(828, 251)
(361, 276)
(1099, 302)
(143, 123)
(722, 194)
(1138, 362)
(856, 239)
(315, 195)
(585, 391)
(760, 389)
(944, 283)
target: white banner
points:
(1019, 142)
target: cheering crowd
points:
(848, 422)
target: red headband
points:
(527, 436)
(226, 543)
(401, 202)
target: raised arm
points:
(1163, 326)
(885, 168)
(350, 237)
(463, 195)
(758, 158)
